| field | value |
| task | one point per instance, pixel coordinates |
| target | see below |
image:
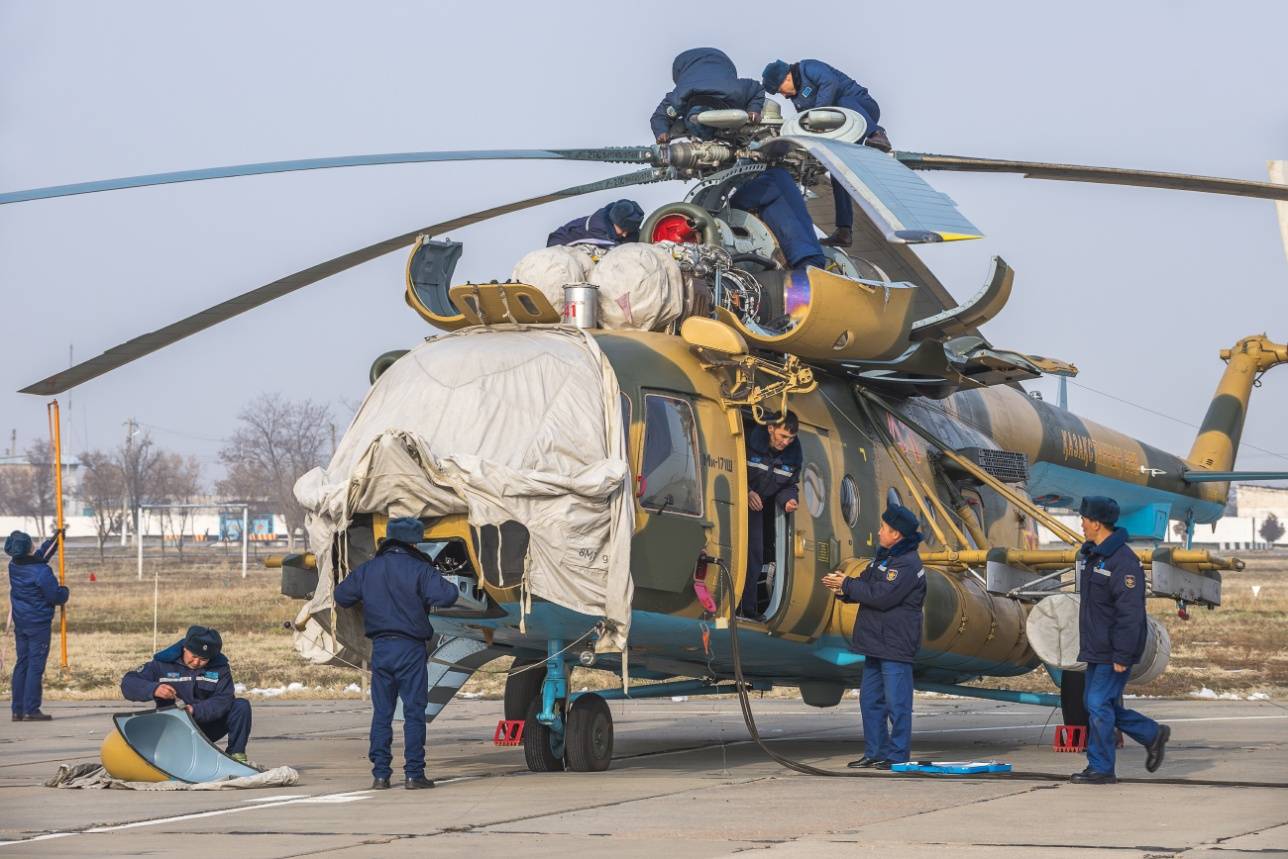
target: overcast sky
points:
(1139, 288)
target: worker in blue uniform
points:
(607, 227)
(814, 83)
(1112, 633)
(705, 79)
(775, 196)
(194, 673)
(773, 472)
(33, 593)
(397, 588)
(887, 631)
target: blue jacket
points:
(890, 593)
(821, 85)
(773, 473)
(705, 78)
(595, 229)
(1111, 611)
(397, 588)
(33, 587)
(209, 690)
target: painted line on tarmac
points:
(321, 799)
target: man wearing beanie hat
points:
(193, 673)
(887, 631)
(813, 83)
(607, 227)
(1112, 632)
(33, 593)
(397, 588)
(705, 79)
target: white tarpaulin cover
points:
(640, 286)
(502, 424)
(551, 269)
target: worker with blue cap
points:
(1112, 633)
(887, 631)
(814, 83)
(397, 588)
(33, 593)
(607, 227)
(193, 673)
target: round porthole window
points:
(812, 490)
(849, 501)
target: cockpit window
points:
(670, 471)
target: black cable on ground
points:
(744, 702)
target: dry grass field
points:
(1239, 649)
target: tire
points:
(1072, 707)
(589, 738)
(522, 687)
(536, 743)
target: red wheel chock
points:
(1073, 738)
(509, 732)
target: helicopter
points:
(589, 495)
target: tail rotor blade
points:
(1103, 175)
(611, 155)
(146, 344)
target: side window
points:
(670, 470)
(849, 501)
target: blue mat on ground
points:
(952, 767)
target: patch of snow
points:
(353, 687)
(271, 692)
(1258, 696)
(295, 687)
(239, 688)
(679, 699)
(470, 696)
(1209, 695)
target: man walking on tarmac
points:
(33, 593)
(1112, 629)
(397, 588)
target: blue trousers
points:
(750, 604)
(398, 670)
(841, 197)
(1105, 712)
(775, 195)
(885, 699)
(29, 667)
(235, 725)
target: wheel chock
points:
(509, 732)
(1073, 738)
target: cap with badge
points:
(203, 641)
(901, 519)
(1099, 508)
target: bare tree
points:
(27, 490)
(276, 442)
(137, 459)
(104, 488)
(177, 481)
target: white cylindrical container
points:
(581, 305)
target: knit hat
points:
(1099, 508)
(626, 214)
(18, 544)
(406, 529)
(901, 519)
(774, 75)
(203, 641)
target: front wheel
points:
(538, 742)
(1073, 708)
(589, 739)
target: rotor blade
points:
(610, 154)
(1104, 175)
(1279, 175)
(146, 344)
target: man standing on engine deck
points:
(1112, 633)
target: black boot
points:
(879, 141)
(842, 237)
(419, 783)
(1154, 752)
(1090, 776)
(380, 784)
(17, 717)
(863, 763)
(37, 716)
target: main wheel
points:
(1072, 686)
(589, 738)
(538, 743)
(522, 685)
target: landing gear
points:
(555, 734)
(1072, 707)
(522, 685)
(589, 740)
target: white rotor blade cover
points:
(502, 425)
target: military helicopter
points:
(589, 496)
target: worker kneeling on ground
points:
(887, 631)
(1112, 633)
(194, 674)
(397, 588)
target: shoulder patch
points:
(892, 574)
(807, 92)
(1129, 580)
(142, 668)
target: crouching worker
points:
(194, 674)
(397, 588)
(887, 631)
